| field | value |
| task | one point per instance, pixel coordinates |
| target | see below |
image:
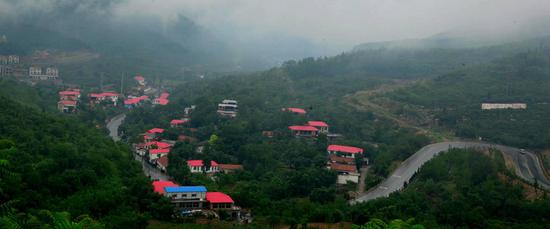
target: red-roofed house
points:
(304, 131)
(67, 106)
(178, 122)
(155, 131)
(219, 201)
(322, 126)
(345, 173)
(162, 163)
(295, 110)
(158, 186)
(73, 94)
(157, 145)
(214, 168)
(104, 96)
(229, 168)
(140, 80)
(198, 166)
(162, 99)
(342, 160)
(344, 151)
(157, 153)
(195, 166)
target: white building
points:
(190, 197)
(36, 73)
(493, 106)
(228, 108)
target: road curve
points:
(149, 170)
(527, 166)
(113, 125)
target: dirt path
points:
(361, 186)
(362, 101)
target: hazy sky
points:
(328, 22)
(348, 22)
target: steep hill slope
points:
(59, 164)
(455, 99)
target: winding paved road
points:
(149, 170)
(527, 166)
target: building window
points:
(193, 195)
(184, 195)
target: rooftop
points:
(218, 197)
(296, 110)
(157, 151)
(195, 163)
(177, 121)
(139, 78)
(345, 149)
(69, 93)
(317, 123)
(163, 161)
(158, 186)
(160, 145)
(303, 128)
(68, 102)
(103, 94)
(155, 131)
(230, 166)
(185, 189)
(346, 160)
(343, 168)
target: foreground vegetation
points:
(52, 164)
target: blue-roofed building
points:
(188, 197)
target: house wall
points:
(344, 178)
(492, 106)
(186, 196)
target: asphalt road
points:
(113, 125)
(149, 170)
(527, 167)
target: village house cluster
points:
(189, 198)
(68, 100)
(49, 73)
(341, 159)
(7, 64)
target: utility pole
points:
(101, 81)
(122, 84)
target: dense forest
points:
(61, 169)
(455, 99)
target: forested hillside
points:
(52, 164)
(455, 99)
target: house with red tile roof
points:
(162, 163)
(67, 106)
(230, 168)
(158, 186)
(198, 166)
(195, 166)
(140, 80)
(295, 110)
(344, 151)
(322, 126)
(304, 131)
(104, 96)
(346, 173)
(333, 158)
(157, 145)
(178, 122)
(219, 201)
(157, 153)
